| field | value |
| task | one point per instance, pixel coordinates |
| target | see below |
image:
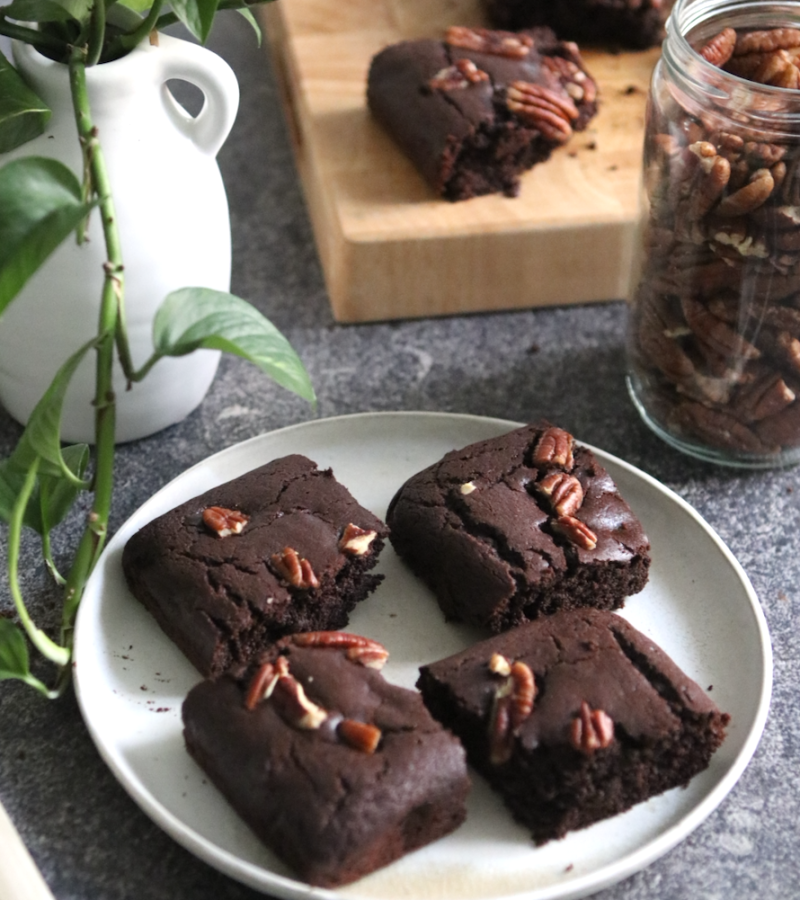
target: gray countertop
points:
(566, 364)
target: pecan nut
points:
(719, 49)
(224, 522)
(363, 650)
(263, 682)
(554, 448)
(359, 735)
(591, 729)
(523, 693)
(294, 706)
(575, 531)
(294, 569)
(546, 109)
(459, 76)
(499, 665)
(748, 198)
(500, 733)
(563, 492)
(355, 540)
(495, 43)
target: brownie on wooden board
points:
(617, 24)
(475, 110)
(574, 718)
(283, 548)
(336, 770)
(523, 524)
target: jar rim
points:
(700, 77)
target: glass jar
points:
(714, 329)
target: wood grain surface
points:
(389, 247)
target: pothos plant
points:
(42, 204)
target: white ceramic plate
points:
(699, 606)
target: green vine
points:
(41, 481)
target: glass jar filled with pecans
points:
(714, 333)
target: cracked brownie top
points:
(334, 768)
(282, 548)
(511, 527)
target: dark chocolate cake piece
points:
(336, 770)
(519, 525)
(618, 24)
(475, 110)
(574, 718)
(283, 548)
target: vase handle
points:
(214, 77)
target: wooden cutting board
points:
(389, 247)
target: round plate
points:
(698, 605)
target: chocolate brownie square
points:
(475, 110)
(336, 770)
(283, 548)
(618, 24)
(574, 718)
(519, 525)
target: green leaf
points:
(42, 435)
(252, 20)
(138, 6)
(80, 10)
(56, 493)
(14, 657)
(39, 11)
(61, 473)
(192, 318)
(11, 481)
(13, 651)
(40, 204)
(23, 115)
(196, 15)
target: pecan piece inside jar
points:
(224, 522)
(294, 569)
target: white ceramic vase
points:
(174, 226)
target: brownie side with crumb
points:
(574, 718)
(474, 111)
(336, 770)
(617, 24)
(282, 548)
(520, 525)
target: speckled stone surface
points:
(91, 841)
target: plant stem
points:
(93, 538)
(48, 649)
(43, 42)
(127, 42)
(97, 33)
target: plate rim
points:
(261, 879)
